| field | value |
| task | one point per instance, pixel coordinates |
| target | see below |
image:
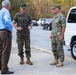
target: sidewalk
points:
(41, 64)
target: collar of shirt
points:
(57, 16)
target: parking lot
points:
(41, 57)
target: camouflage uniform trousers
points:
(23, 39)
(57, 48)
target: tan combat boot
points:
(22, 61)
(60, 64)
(54, 62)
(29, 61)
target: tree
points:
(41, 8)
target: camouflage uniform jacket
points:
(58, 22)
(22, 20)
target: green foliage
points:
(40, 8)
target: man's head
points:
(55, 9)
(23, 8)
(6, 3)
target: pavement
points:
(41, 64)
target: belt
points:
(5, 30)
(2, 29)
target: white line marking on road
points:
(49, 52)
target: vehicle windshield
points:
(72, 16)
(42, 19)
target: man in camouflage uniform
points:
(22, 22)
(58, 29)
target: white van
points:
(70, 32)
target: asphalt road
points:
(41, 57)
(41, 39)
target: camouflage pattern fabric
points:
(57, 45)
(23, 37)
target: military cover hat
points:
(23, 5)
(55, 6)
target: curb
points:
(49, 52)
